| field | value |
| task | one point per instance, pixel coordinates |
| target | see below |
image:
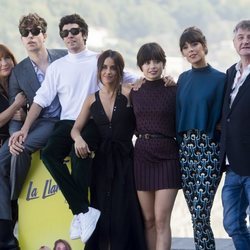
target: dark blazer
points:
(235, 126)
(23, 77)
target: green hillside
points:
(125, 25)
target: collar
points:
(78, 55)
(238, 67)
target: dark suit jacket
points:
(235, 126)
(23, 77)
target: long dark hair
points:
(5, 52)
(119, 65)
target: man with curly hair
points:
(27, 76)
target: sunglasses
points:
(34, 31)
(73, 31)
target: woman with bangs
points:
(200, 93)
(112, 190)
(156, 166)
(14, 111)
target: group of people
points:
(83, 104)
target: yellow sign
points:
(44, 215)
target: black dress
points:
(113, 192)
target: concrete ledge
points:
(188, 244)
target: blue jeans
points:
(235, 199)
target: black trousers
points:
(73, 184)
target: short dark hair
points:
(74, 18)
(119, 64)
(191, 35)
(32, 20)
(150, 51)
(244, 24)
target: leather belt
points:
(152, 136)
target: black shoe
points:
(7, 238)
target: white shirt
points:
(54, 109)
(239, 79)
(72, 77)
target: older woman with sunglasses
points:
(14, 111)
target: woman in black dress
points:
(14, 111)
(157, 171)
(113, 191)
